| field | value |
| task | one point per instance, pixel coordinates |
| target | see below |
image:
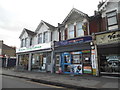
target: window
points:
(80, 32)
(40, 38)
(112, 20)
(22, 42)
(71, 31)
(45, 37)
(30, 41)
(62, 35)
(26, 42)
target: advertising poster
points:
(93, 59)
(76, 69)
(93, 62)
(87, 69)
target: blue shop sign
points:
(73, 41)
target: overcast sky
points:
(18, 14)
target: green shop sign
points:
(29, 49)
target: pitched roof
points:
(74, 10)
(51, 27)
(30, 32)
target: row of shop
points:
(84, 55)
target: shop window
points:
(112, 20)
(40, 38)
(71, 30)
(67, 68)
(76, 58)
(110, 63)
(45, 37)
(57, 59)
(80, 31)
(67, 59)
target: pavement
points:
(87, 82)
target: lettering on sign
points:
(108, 38)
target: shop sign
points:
(108, 38)
(93, 59)
(36, 47)
(76, 69)
(85, 51)
(87, 69)
(73, 41)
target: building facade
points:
(107, 37)
(36, 48)
(73, 50)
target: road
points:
(13, 82)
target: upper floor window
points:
(71, 30)
(40, 38)
(112, 20)
(79, 29)
(26, 42)
(30, 41)
(22, 42)
(45, 37)
(62, 35)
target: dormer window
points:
(80, 31)
(45, 37)
(112, 20)
(22, 42)
(30, 41)
(26, 42)
(71, 30)
(39, 38)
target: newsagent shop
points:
(108, 46)
(73, 56)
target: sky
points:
(18, 14)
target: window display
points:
(110, 63)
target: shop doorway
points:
(66, 62)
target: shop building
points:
(107, 36)
(108, 47)
(36, 48)
(73, 50)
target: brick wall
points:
(9, 51)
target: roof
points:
(29, 32)
(106, 3)
(51, 27)
(74, 10)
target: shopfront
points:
(36, 58)
(73, 56)
(108, 45)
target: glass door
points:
(66, 62)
